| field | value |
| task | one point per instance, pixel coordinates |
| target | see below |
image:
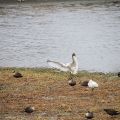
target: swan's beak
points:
(73, 54)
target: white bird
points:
(92, 84)
(70, 67)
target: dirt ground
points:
(49, 92)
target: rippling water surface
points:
(31, 33)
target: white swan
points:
(70, 67)
(92, 84)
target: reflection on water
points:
(31, 33)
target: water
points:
(31, 33)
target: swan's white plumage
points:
(92, 84)
(71, 67)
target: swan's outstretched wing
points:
(58, 65)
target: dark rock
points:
(84, 83)
(118, 74)
(29, 109)
(111, 112)
(17, 75)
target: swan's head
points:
(73, 54)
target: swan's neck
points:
(75, 59)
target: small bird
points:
(72, 82)
(17, 74)
(84, 83)
(112, 112)
(89, 115)
(70, 67)
(29, 109)
(118, 74)
(92, 84)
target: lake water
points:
(31, 33)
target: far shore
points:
(81, 1)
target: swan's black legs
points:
(71, 76)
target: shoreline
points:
(39, 69)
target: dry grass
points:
(48, 91)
